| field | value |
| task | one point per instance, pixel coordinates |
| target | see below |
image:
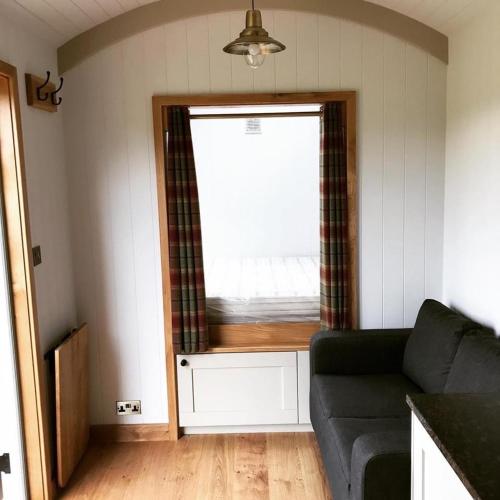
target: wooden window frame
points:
(264, 336)
(32, 384)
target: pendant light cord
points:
(253, 4)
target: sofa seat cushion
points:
(476, 367)
(363, 396)
(346, 431)
(433, 344)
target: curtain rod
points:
(255, 115)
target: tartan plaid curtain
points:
(335, 307)
(189, 326)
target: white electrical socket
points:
(128, 407)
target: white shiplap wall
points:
(111, 161)
(472, 230)
(46, 184)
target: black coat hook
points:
(53, 94)
(39, 89)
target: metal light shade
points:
(254, 34)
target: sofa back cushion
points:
(476, 367)
(433, 344)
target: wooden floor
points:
(230, 466)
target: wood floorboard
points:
(284, 468)
(251, 473)
(203, 467)
(220, 464)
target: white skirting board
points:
(247, 429)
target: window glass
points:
(258, 182)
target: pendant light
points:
(254, 41)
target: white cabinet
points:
(303, 382)
(237, 389)
(432, 477)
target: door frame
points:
(31, 375)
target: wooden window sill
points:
(258, 348)
(261, 337)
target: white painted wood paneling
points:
(46, 185)
(303, 385)
(472, 232)
(120, 258)
(307, 52)
(177, 58)
(72, 12)
(110, 155)
(415, 183)
(237, 389)
(435, 177)
(51, 16)
(329, 38)
(219, 32)
(351, 55)
(265, 79)
(93, 9)
(142, 226)
(371, 180)
(111, 7)
(393, 182)
(154, 80)
(197, 34)
(285, 30)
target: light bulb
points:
(254, 49)
(254, 61)
(254, 58)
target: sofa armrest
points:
(362, 352)
(381, 466)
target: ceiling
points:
(61, 20)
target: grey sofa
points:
(359, 382)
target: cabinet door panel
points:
(237, 389)
(432, 476)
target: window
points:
(258, 182)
